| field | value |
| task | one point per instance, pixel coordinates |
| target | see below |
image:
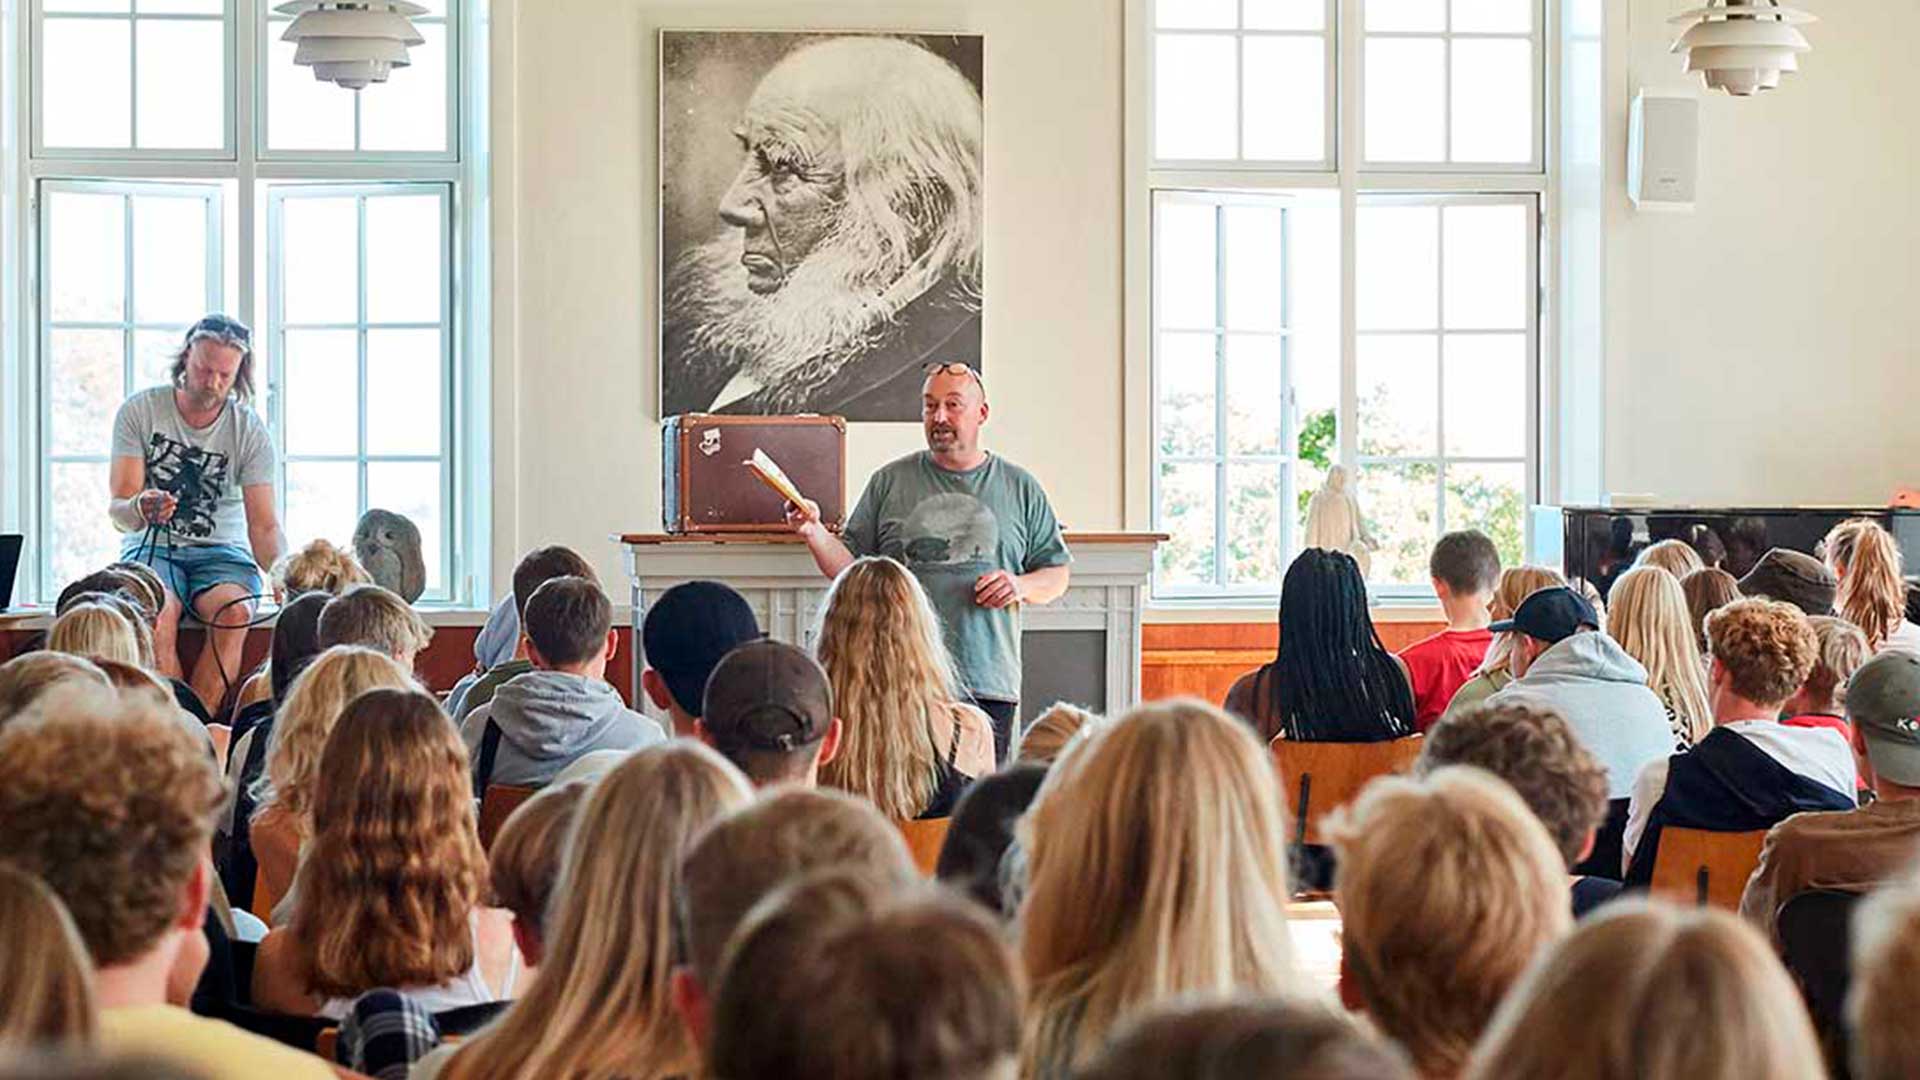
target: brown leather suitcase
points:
(707, 487)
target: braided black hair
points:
(1332, 680)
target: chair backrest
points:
(1813, 928)
(1317, 777)
(1696, 866)
(326, 1042)
(496, 806)
(925, 838)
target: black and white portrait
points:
(820, 219)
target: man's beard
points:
(832, 308)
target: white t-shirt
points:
(1904, 638)
(206, 467)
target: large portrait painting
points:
(820, 219)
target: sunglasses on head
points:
(220, 326)
(954, 369)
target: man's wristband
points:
(126, 514)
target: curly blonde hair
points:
(307, 718)
(319, 567)
(1767, 648)
(395, 870)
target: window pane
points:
(1486, 395)
(323, 392)
(1284, 14)
(1405, 98)
(182, 7)
(1399, 394)
(409, 111)
(1187, 372)
(1285, 99)
(1492, 100)
(153, 357)
(1253, 394)
(1194, 14)
(404, 267)
(183, 88)
(1308, 477)
(1399, 503)
(1186, 514)
(83, 539)
(1313, 268)
(169, 259)
(1406, 15)
(1399, 267)
(403, 391)
(303, 113)
(1491, 498)
(87, 253)
(1253, 524)
(86, 82)
(1252, 236)
(1486, 267)
(52, 6)
(1493, 16)
(320, 260)
(412, 490)
(88, 379)
(323, 501)
(1184, 253)
(1195, 79)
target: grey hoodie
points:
(1603, 694)
(549, 718)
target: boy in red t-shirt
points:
(1465, 568)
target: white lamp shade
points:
(352, 43)
(1742, 46)
(383, 25)
(339, 50)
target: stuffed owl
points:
(388, 545)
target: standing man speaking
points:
(974, 528)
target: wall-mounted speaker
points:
(1663, 151)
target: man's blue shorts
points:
(191, 569)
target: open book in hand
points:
(771, 474)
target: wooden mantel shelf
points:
(783, 537)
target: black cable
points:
(150, 546)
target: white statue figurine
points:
(1334, 521)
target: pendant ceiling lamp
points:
(1742, 46)
(351, 42)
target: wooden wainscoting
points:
(1203, 659)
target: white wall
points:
(1762, 349)
(576, 414)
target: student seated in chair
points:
(686, 632)
(1465, 567)
(538, 723)
(1751, 771)
(769, 710)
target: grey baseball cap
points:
(1883, 701)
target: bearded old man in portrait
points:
(850, 252)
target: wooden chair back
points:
(1318, 777)
(924, 840)
(1695, 866)
(497, 805)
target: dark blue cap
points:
(1551, 615)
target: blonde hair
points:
(319, 567)
(523, 866)
(892, 681)
(1842, 651)
(130, 680)
(46, 985)
(1516, 584)
(1676, 557)
(1052, 731)
(1155, 869)
(305, 720)
(1883, 996)
(395, 870)
(1448, 886)
(94, 628)
(25, 677)
(602, 1007)
(1647, 991)
(1871, 594)
(376, 618)
(1651, 621)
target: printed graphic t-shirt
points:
(950, 528)
(206, 467)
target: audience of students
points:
(686, 632)
(769, 710)
(524, 864)
(1706, 589)
(910, 743)
(979, 856)
(1676, 557)
(1792, 576)
(1871, 593)
(96, 629)
(1246, 1039)
(1330, 679)
(25, 677)
(535, 568)
(1882, 999)
(1751, 771)
(377, 619)
(1465, 570)
(1651, 622)
(1516, 584)
(1448, 888)
(46, 981)
(539, 722)
(390, 890)
(1821, 701)
(1146, 882)
(320, 566)
(1047, 737)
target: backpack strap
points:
(483, 766)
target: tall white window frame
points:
(248, 174)
(1351, 181)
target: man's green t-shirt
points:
(950, 528)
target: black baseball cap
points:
(688, 630)
(767, 695)
(1552, 615)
